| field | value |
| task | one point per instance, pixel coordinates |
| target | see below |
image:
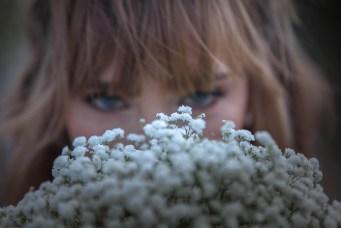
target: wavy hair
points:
(73, 41)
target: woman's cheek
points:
(83, 120)
(228, 108)
(214, 123)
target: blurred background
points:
(319, 34)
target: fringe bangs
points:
(165, 41)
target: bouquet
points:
(171, 176)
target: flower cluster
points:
(174, 177)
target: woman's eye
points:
(202, 99)
(105, 102)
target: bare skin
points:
(228, 101)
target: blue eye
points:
(202, 99)
(105, 102)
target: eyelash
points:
(212, 96)
(206, 100)
(97, 101)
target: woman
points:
(104, 64)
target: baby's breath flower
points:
(162, 116)
(185, 109)
(243, 135)
(265, 138)
(79, 151)
(227, 130)
(173, 177)
(136, 138)
(94, 140)
(111, 135)
(101, 151)
(79, 141)
(197, 125)
(66, 150)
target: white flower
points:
(94, 140)
(243, 135)
(265, 138)
(81, 169)
(67, 210)
(185, 109)
(108, 136)
(159, 124)
(136, 138)
(227, 130)
(60, 163)
(111, 135)
(79, 141)
(66, 150)
(173, 177)
(102, 151)
(162, 116)
(198, 125)
(79, 151)
(184, 117)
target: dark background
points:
(319, 34)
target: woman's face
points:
(92, 115)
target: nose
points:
(151, 105)
(153, 99)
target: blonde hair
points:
(74, 41)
